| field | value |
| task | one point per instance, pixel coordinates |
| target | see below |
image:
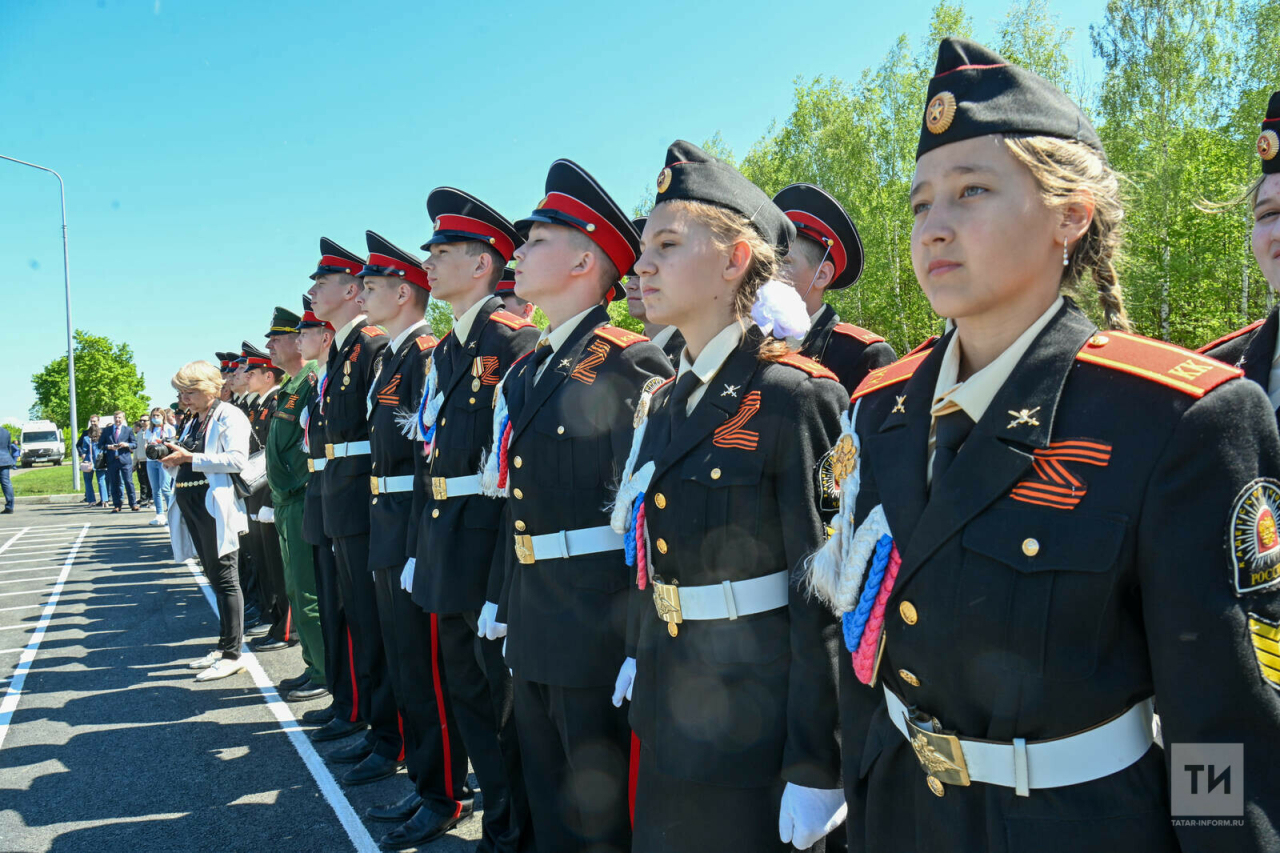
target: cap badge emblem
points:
(1268, 145)
(940, 112)
(664, 181)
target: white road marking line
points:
(27, 569)
(32, 560)
(27, 592)
(5, 546)
(356, 831)
(19, 607)
(10, 651)
(15, 627)
(33, 580)
(10, 702)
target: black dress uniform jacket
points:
(734, 496)
(568, 617)
(313, 508)
(846, 350)
(1128, 594)
(1250, 349)
(260, 413)
(454, 539)
(346, 480)
(396, 389)
(673, 346)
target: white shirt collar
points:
(713, 355)
(346, 330)
(404, 336)
(663, 335)
(561, 333)
(462, 325)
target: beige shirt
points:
(462, 325)
(556, 338)
(357, 320)
(709, 361)
(975, 394)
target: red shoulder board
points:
(808, 365)
(511, 321)
(858, 333)
(1158, 361)
(1231, 336)
(621, 337)
(900, 371)
(372, 331)
(925, 345)
(426, 342)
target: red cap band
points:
(335, 261)
(603, 234)
(814, 228)
(413, 275)
(467, 225)
(310, 317)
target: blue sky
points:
(208, 145)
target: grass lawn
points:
(52, 480)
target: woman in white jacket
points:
(213, 446)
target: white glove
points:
(488, 626)
(808, 814)
(406, 576)
(626, 679)
(267, 515)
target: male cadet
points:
(455, 534)
(263, 380)
(826, 256)
(506, 291)
(395, 297)
(287, 475)
(315, 337)
(570, 406)
(666, 337)
(343, 402)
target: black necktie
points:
(543, 352)
(949, 434)
(679, 399)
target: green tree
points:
(106, 380)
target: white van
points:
(41, 442)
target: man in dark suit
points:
(8, 458)
(118, 442)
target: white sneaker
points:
(206, 661)
(221, 669)
(159, 521)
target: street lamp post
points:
(71, 354)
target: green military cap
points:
(283, 322)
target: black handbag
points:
(253, 476)
(101, 463)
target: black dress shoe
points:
(318, 716)
(267, 644)
(375, 768)
(307, 693)
(292, 683)
(421, 829)
(337, 730)
(396, 812)
(353, 754)
(258, 630)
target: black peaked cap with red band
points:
(334, 258)
(459, 217)
(226, 361)
(283, 322)
(387, 259)
(1269, 139)
(253, 357)
(822, 219)
(575, 200)
(692, 174)
(976, 92)
(309, 319)
(506, 284)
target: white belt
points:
(383, 485)
(567, 543)
(1071, 760)
(724, 600)
(346, 448)
(443, 488)
(314, 465)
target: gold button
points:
(519, 494)
(435, 513)
(662, 546)
(907, 611)
(328, 399)
(518, 462)
(375, 500)
(1098, 341)
(909, 677)
(375, 465)
(437, 452)
(1030, 547)
(371, 429)
(559, 430)
(519, 525)
(471, 400)
(660, 500)
(715, 473)
(442, 422)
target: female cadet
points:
(1041, 512)
(733, 669)
(1256, 348)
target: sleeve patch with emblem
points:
(1253, 544)
(1265, 636)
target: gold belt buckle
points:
(311, 465)
(940, 756)
(328, 451)
(440, 490)
(524, 549)
(666, 598)
(373, 485)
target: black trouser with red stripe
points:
(575, 748)
(433, 750)
(339, 668)
(273, 596)
(480, 693)
(374, 697)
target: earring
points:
(1066, 261)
